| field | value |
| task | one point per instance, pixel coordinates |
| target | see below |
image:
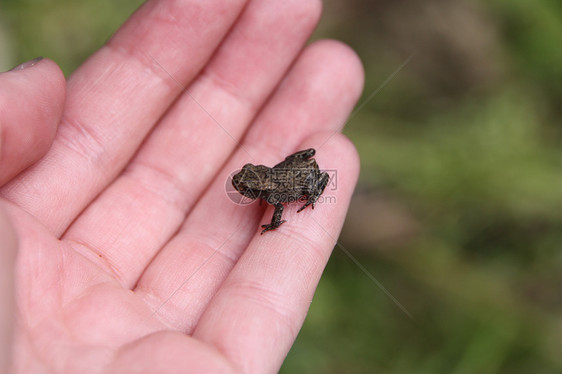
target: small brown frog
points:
(295, 178)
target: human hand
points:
(130, 255)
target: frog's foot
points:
(275, 220)
(305, 205)
(310, 201)
(271, 226)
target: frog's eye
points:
(247, 166)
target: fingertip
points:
(336, 154)
(343, 62)
(32, 99)
(336, 149)
(351, 154)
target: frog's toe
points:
(271, 226)
(305, 205)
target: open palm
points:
(130, 255)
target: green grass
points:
(66, 31)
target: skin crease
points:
(121, 251)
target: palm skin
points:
(121, 250)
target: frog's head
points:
(252, 181)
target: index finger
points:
(114, 100)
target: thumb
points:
(8, 247)
(31, 104)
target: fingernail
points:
(27, 64)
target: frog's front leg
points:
(302, 155)
(275, 220)
(314, 195)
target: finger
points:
(31, 103)
(115, 98)
(8, 249)
(176, 163)
(317, 95)
(255, 316)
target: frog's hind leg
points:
(275, 220)
(322, 183)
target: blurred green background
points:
(458, 212)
